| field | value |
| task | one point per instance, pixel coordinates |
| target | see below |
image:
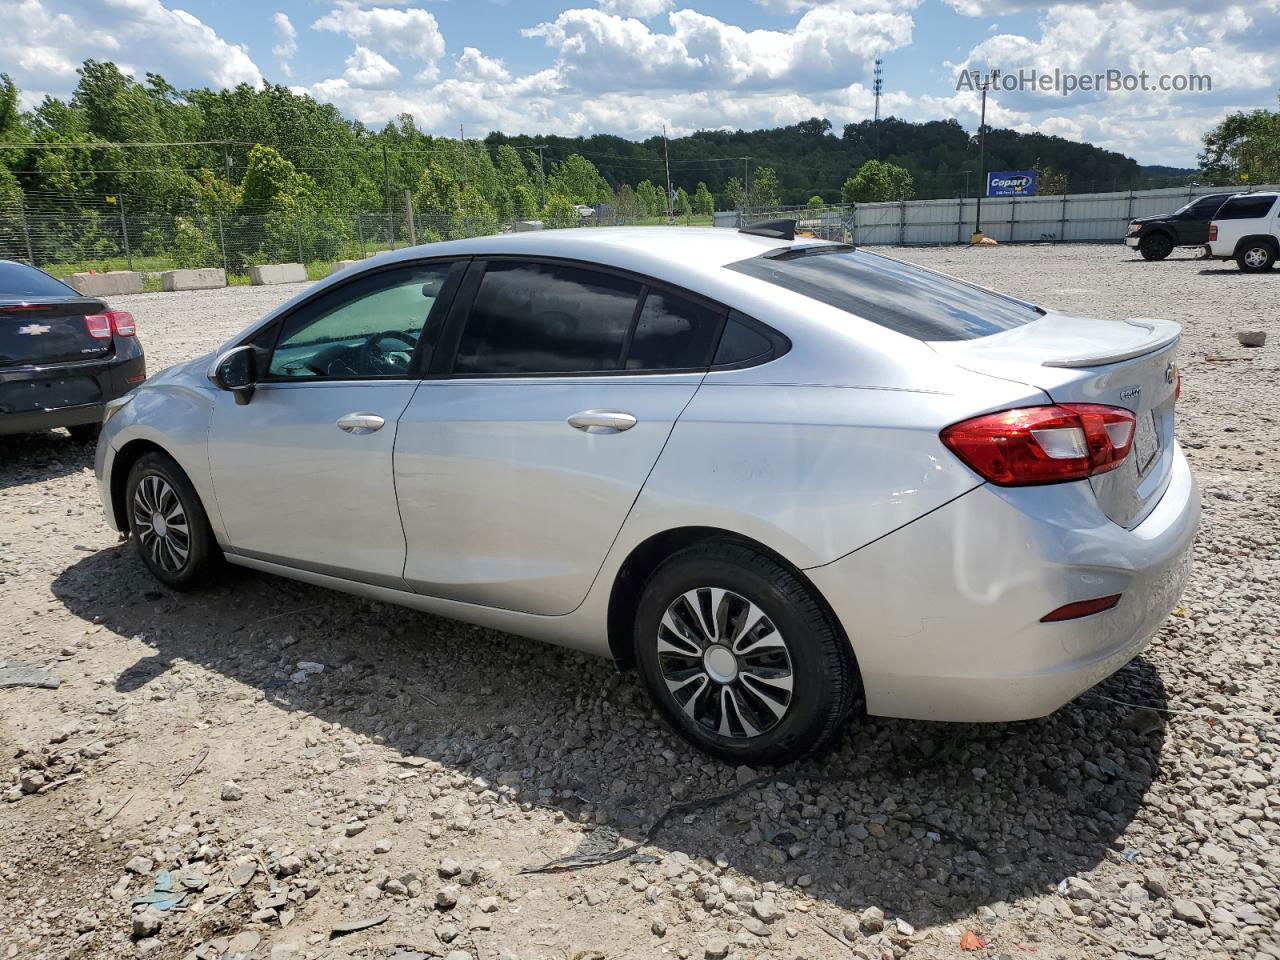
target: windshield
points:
(905, 298)
(20, 280)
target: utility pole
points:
(462, 139)
(982, 147)
(746, 184)
(666, 158)
(226, 161)
(542, 175)
(878, 86)
(386, 190)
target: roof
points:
(636, 248)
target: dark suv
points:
(1188, 226)
(62, 355)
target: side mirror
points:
(236, 371)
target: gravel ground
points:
(195, 752)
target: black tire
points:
(1256, 256)
(1155, 246)
(85, 432)
(202, 559)
(823, 677)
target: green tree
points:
(1243, 148)
(703, 202)
(577, 178)
(650, 199)
(270, 178)
(815, 201)
(764, 187)
(876, 182)
(512, 172)
(524, 202)
(734, 196)
(559, 212)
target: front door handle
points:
(360, 423)
(602, 421)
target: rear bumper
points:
(944, 614)
(67, 394)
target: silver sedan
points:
(780, 477)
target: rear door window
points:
(900, 296)
(1245, 208)
(532, 318)
(17, 280)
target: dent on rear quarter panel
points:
(811, 472)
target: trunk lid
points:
(1122, 363)
(39, 331)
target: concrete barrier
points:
(343, 264)
(205, 278)
(270, 273)
(110, 284)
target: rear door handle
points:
(360, 423)
(602, 421)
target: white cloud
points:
(636, 8)
(368, 69)
(411, 31)
(288, 44)
(48, 39)
(603, 52)
(474, 65)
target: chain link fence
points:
(68, 234)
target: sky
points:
(627, 67)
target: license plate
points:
(1146, 442)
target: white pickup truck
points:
(1247, 229)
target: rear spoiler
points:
(1103, 357)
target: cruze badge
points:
(1130, 393)
(35, 329)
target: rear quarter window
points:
(900, 296)
(1245, 208)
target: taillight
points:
(1081, 608)
(1034, 445)
(1213, 232)
(99, 325)
(1177, 384)
(103, 325)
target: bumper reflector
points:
(1081, 608)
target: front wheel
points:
(739, 656)
(1255, 257)
(1155, 246)
(168, 523)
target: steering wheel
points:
(373, 357)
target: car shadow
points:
(926, 821)
(32, 457)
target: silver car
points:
(778, 476)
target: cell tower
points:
(878, 86)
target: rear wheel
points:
(1155, 246)
(1256, 256)
(168, 523)
(85, 432)
(740, 657)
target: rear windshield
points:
(907, 299)
(20, 280)
(1246, 208)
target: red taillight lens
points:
(1034, 445)
(1213, 232)
(1081, 608)
(119, 322)
(99, 325)
(1177, 385)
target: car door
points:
(303, 472)
(518, 461)
(1193, 226)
